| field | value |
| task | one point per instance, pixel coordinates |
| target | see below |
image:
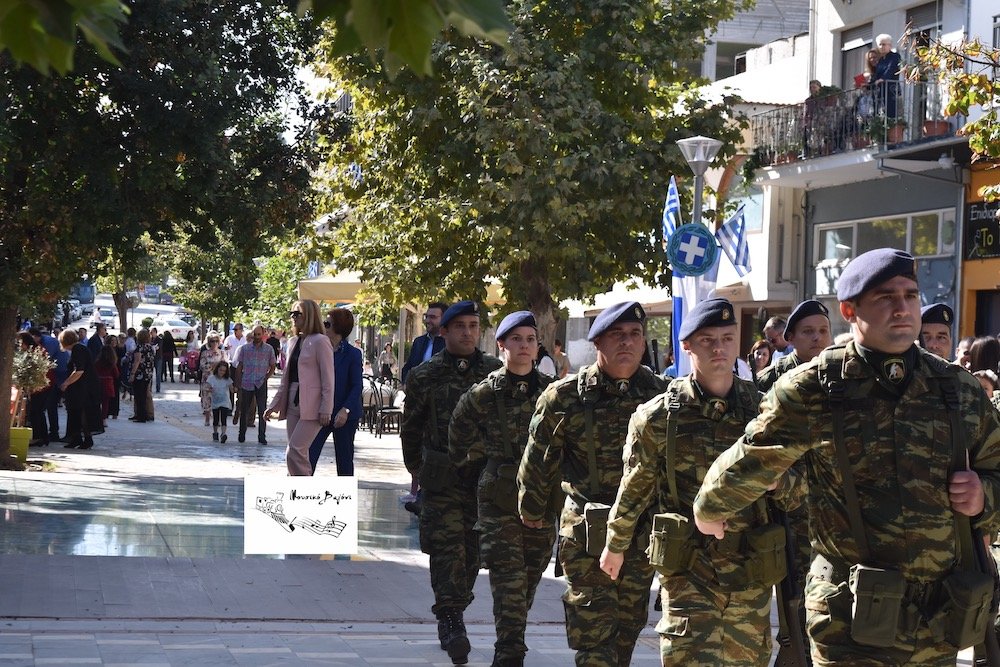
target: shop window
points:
(884, 233)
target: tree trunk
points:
(536, 285)
(122, 303)
(8, 326)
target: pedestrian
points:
(114, 403)
(96, 342)
(156, 340)
(107, 373)
(254, 364)
(305, 396)
(346, 394)
(901, 450)
(81, 391)
(447, 496)
(222, 388)
(422, 348)
(774, 332)
(715, 611)
(168, 350)
(191, 342)
(141, 375)
(561, 359)
(487, 435)
(387, 363)
(576, 440)
(233, 342)
(207, 359)
(47, 401)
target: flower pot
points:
(936, 128)
(895, 134)
(19, 438)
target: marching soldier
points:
(576, 437)
(935, 329)
(448, 495)
(808, 330)
(902, 453)
(716, 607)
(488, 432)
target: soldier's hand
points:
(716, 529)
(965, 491)
(533, 524)
(611, 563)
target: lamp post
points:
(699, 152)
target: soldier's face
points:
(461, 336)
(519, 348)
(620, 348)
(713, 350)
(886, 318)
(936, 338)
(811, 336)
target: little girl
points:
(222, 398)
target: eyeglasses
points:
(295, 313)
(327, 324)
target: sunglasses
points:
(327, 324)
(295, 313)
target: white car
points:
(178, 328)
(103, 316)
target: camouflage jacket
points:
(437, 384)
(558, 442)
(476, 433)
(900, 453)
(767, 377)
(703, 432)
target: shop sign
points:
(982, 230)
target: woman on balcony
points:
(886, 77)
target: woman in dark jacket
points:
(81, 393)
(347, 365)
(168, 351)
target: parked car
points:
(178, 328)
(103, 316)
(75, 311)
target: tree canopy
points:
(544, 164)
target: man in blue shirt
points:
(61, 358)
(424, 347)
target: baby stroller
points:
(188, 366)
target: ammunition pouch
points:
(766, 564)
(595, 518)
(672, 548)
(503, 492)
(437, 472)
(878, 596)
(968, 596)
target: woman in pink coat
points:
(305, 395)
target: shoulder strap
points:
(588, 421)
(673, 404)
(508, 450)
(963, 526)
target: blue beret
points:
(708, 313)
(460, 308)
(937, 313)
(874, 268)
(807, 308)
(628, 311)
(521, 318)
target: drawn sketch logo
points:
(300, 515)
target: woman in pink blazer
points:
(305, 395)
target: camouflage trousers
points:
(447, 519)
(604, 617)
(828, 624)
(516, 557)
(704, 625)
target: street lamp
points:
(699, 152)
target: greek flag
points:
(671, 211)
(733, 241)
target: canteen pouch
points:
(595, 517)
(765, 555)
(878, 596)
(437, 473)
(505, 487)
(671, 549)
(969, 596)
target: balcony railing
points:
(874, 116)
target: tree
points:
(544, 165)
(968, 72)
(276, 283)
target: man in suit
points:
(424, 347)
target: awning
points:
(341, 288)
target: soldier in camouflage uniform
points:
(488, 432)
(448, 515)
(808, 330)
(896, 403)
(935, 329)
(576, 437)
(711, 614)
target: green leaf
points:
(479, 18)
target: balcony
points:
(870, 117)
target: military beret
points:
(873, 268)
(628, 311)
(458, 309)
(708, 313)
(522, 318)
(937, 313)
(807, 308)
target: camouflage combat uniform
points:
(767, 377)
(708, 618)
(489, 428)
(603, 617)
(449, 506)
(900, 448)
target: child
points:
(222, 390)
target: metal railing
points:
(880, 115)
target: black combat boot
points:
(455, 640)
(507, 662)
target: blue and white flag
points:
(733, 241)
(671, 211)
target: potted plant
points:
(884, 130)
(30, 374)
